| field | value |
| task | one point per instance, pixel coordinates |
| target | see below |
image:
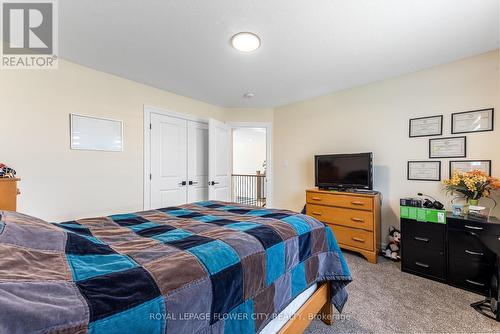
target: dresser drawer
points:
(425, 262)
(341, 216)
(344, 201)
(419, 235)
(353, 237)
(469, 275)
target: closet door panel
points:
(168, 161)
(219, 160)
(197, 162)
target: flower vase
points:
(473, 202)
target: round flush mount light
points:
(245, 41)
(248, 95)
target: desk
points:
(472, 252)
(454, 253)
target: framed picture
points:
(469, 165)
(426, 126)
(451, 147)
(472, 121)
(424, 170)
(95, 133)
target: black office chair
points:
(490, 306)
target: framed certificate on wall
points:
(472, 121)
(424, 170)
(452, 147)
(470, 165)
(426, 126)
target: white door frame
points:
(148, 110)
(269, 154)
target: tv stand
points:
(350, 190)
(365, 191)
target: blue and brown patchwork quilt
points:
(207, 267)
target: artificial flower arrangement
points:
(472, 185)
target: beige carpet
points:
(382, 299)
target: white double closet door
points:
(179, 161)
(189, 161)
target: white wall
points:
(374, 118)
(59, 183)
(249, 150)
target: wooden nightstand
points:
(8, 194)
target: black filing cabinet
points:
(452, 253)
(423, 249)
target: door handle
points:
(423, 265)
(183, 183)
(473, 253)
(317, 198)
(473, 282)
(421, 239)
(212, 183)
(192, 182)
(359, 220)
(358, 239)
(357, 203)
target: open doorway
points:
(251, 165)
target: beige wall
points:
(58, 183)
(249, 115)
(374, 118)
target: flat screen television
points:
(344, 171)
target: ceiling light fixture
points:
(248, 95)
(245, 41)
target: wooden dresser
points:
(8, 194)
(353, 217)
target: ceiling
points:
(309, 48)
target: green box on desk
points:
(423, 215)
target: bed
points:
(206, 267)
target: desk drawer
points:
(468, 246)
(344, 201)
(473, 226)
(341, 216)
(353, 237)
(425, 262)
(469, 275)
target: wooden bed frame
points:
(318, 304)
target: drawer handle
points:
(421, 239)
(473, 253)
(359, 220)
(423, 265)
(317, 198)
(473, 282)
(316, 213)
(357, 203)
(474, 227)
(358, 239)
